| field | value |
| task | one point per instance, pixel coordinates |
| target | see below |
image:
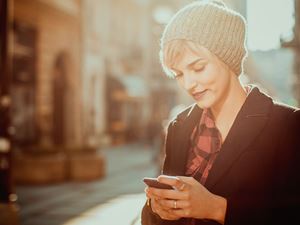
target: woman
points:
(233, 156)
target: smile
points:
(199, 95)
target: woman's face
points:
(205, 77)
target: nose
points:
(189, 82)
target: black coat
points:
(257, 169)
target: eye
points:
(199, 69)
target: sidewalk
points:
(115, 200)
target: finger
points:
(165, 206)
(176, 182)
(149, 193)
(157, 208)
(167, 215)
(171, 180)
(146, 190)
(164, 193)
(148, 196)
(180, 212)
(187, 180)
(170, 204)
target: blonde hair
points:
(172, 53)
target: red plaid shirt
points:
(206, 143)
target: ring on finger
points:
(175, 204)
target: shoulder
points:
(280, 106)
(287, 117)
(285, 111)
(186, 113)
(260, 101)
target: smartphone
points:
(153, 182)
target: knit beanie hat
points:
(214, 26)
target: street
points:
(115, 200)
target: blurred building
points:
(112, 64)
(297, 44)
(294, 44)
(46, 78)
(8, 209)
(65, 55)
(273, 71)
(49, 108)
(297, 50)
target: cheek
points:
(217, 84)
(211, 81)
(210, 76)
(180, 83)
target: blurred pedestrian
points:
(233, 156)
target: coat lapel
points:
(248, 124)
(182, 131)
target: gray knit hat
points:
(213, 25)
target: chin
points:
(207, 102)
(204, 104)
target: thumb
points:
(187, 180)
(170, 180)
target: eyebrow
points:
(190, 65)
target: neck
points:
(227, 109)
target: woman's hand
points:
(189, 199)
(162, 212)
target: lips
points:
(199, 94)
